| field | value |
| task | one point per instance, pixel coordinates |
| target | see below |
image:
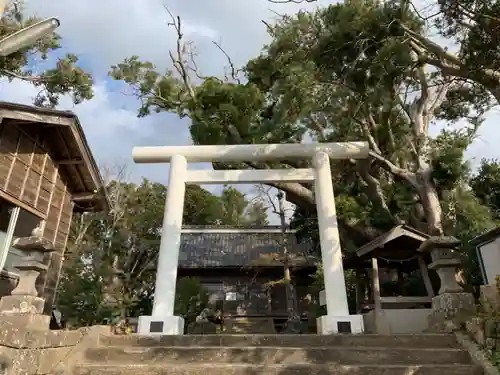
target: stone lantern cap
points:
(439, 242)
(442, 252)
(33, 248)
(33, 243)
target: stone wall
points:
(484, 328)
(33, 352)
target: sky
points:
(103, 33)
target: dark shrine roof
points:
(222, 246)
(399, 246)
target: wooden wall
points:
(31, 179)
(235, 281)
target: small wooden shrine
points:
(383, 268)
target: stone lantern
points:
(452, 302)
(24, 307)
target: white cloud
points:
(114, 29)
(111, 129)
(100, 117)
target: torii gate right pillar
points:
(337, 319)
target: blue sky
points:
(103, 33)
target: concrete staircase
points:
(423, 354)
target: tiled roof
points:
(239, 249)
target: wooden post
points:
(360, 290)
(425, 275)
(381, 324)
(376, 286)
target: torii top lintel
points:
(252, 152)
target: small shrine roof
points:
(400, 244)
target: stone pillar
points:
(162, 321)
(337, 318)
(451, 303)
(23, 307)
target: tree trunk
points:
(430, 203)
(287, 277)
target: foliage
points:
(110, 267)
(466, 218)
(485, 328)
(356, 70)
(80, 302)
(350, 280)
(237, 210)
(474, 26)
(63, 78)
(486, 185)
(190, 299)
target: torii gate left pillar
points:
(162, 321)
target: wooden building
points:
(47, 172)
(236, 265)
(384, 267)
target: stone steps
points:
(434, 341)
(234, 369)
(276, 355)
(239, 354)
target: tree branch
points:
(395, 170)
(439, 97)
(234, 71)
(10, 74)
(418, 109)
(373, 189)
(432, 47)
(178, 61)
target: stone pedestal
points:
(349, 324)
(23, 308)
(160, 325)
(452, 306)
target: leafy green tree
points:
(486, 185)
(471, 26)
(65, 77)
(111, 259)
(190, 299)
(357, 70)
(236, 209)
(256, 214)
(339, 65)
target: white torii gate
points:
(162, 321)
